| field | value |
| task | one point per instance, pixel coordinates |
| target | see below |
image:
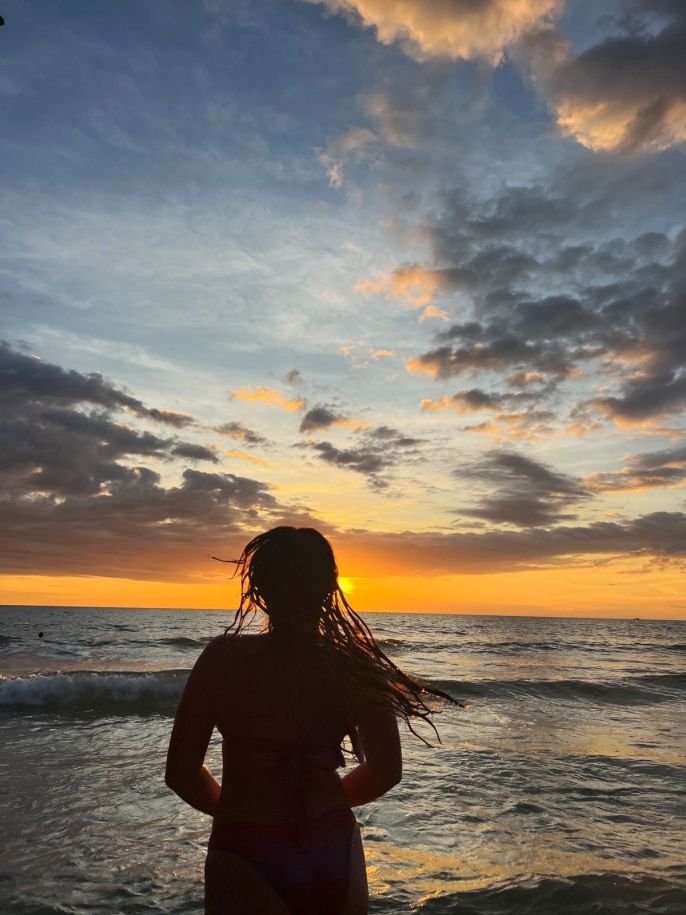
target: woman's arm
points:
(195, 719)
(377, 730)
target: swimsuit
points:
(306, 860)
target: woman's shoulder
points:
(225, 645)
(225, 651)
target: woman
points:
(284, 839)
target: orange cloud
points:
(523, 427)
(270, 396)
(434, 28)
(245, 456)
(381, 353)
(412, 284)
(606, 124)
(433, 406)
(418, 366)
(617, 95)
(431, 311)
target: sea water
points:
(560, 788)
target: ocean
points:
(560, 789)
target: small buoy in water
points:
(2, 21)
(40, 635)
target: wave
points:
(5, 640)
(184, 642)
(608, 893)
(625, 691)
(151, 693)
(394, 645)
(176, 641)
(95, 692)
(505, 646)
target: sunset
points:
(416, 281)
(343, 364)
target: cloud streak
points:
(271, 397)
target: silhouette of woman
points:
(284, 838)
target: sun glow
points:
(347, 585)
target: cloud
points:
(195, 453)
(246, 456)
(648, 396)
(525, 426)
(271, 397)
(594, 96)
(504, 350)
(412, 284)
(323, 417)
(456, 29)
(650, 470)
(29, 379)
(657, 534)
(79, 496)
(241, 433)
(60, 438)
(475, 400)
(559, 301)
(293, 377)
(137, 529)
(364, 459)
(378, 449)
(627, 93)
(527, 492)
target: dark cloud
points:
(616, 304)
(241, 433)
(137, 528)
(392, 436)
(78, 496)
(475, 400)
(501, 352)
(526, 492)
(27, 379)
(658, 534)
(650, 470)
(322, 417)
(365, 459)
(63, 451)
(377, 450)
(597, 95)
(195, 453)
(293, 377)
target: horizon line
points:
(657, 619)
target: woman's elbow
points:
(174, 778)
(389, 778)
(171, 781)
(396, 778)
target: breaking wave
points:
(95, 692)
(624, 691)
(146, 693)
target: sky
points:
(412, 272)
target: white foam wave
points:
(90, 689)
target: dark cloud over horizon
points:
(523, 492)
(77, 480)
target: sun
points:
(346, 585)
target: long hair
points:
(290, 574)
